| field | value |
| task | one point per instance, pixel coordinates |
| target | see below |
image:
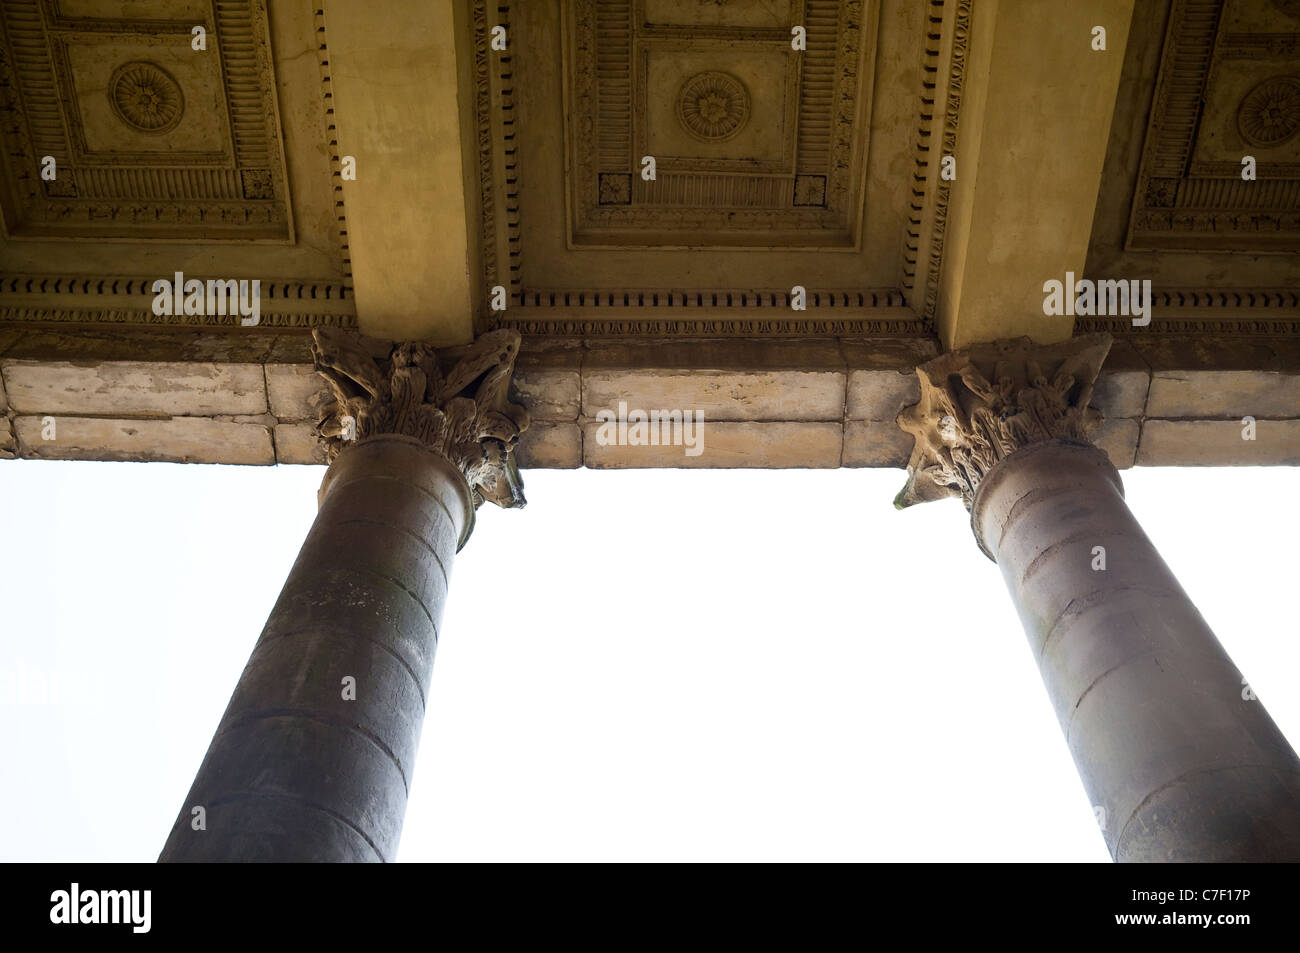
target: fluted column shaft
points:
(1182, 761)
(297, 769)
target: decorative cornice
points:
(332, 138)
(723, 313)
(686, 327)
(1254, 328)
(1267, 312)
(493, 76)
(923, 249)
(1227, 298)
(34, 300)
(92, 317)
(386, 388)
(718, 298)
(272, 288)
(980, 405)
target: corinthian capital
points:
(979, 405)
(385, 388)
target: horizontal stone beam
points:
(1168, 400)
(1219, 443)
(173, 440)
(135, 387)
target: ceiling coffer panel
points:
(754, 142)
(1221, 162)
(140, 121)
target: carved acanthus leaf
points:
(385, 388)
(980, 405)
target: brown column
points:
(313, 758)
(1180, 762)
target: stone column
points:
(313, 757)
(1180, 760)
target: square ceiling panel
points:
(755, 143)
(776, 169)
(1228, 88)
(151, 139)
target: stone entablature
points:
(254, 398)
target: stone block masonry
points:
(252, 398)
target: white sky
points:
(642, 665)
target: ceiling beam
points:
(397, 100)
(1035, 119)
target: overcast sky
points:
(642, 665)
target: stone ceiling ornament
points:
(385, 388)
(146, 97)
(713, 106)
(980, 405)
(1269, 114)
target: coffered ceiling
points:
(523, 164)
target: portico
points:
(813, 175)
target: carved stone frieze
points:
(980, 405)
(465, 413)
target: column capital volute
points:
(981, 404)
(452, 400)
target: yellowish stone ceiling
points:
(480, 166)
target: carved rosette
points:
(146, 97)
(1269, 115)
(713, 106)
(980, 405)
(385, 388)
